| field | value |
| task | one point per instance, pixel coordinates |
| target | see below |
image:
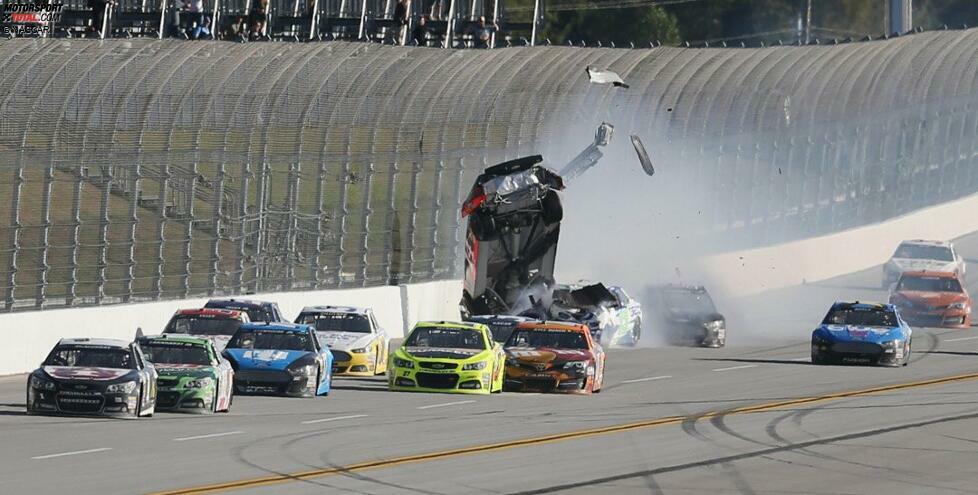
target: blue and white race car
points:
(280, 359)
(857, 332)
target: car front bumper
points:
(567, 381)
(451, 381)
(57, 402)
(274, 382)
(859, 353)
(353, 364)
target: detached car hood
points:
(87, 374)
(855, 333)
(932, 298)
(441, 353)
(265, 359)
(546, 355)
(344, 341)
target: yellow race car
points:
(358, 343)
(441, 356)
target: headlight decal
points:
(481, 365)
(121, 388)
(402, 363)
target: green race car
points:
(193, 376)
(448, 357)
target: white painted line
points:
(962, 338)
(447, 404)
(77, 452)
(314, 421)
(737, 367)
(212, 435)
(649, 379)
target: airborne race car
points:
(94, 377)
(514, 213)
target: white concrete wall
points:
(753, 271)
(29, 336)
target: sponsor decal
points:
(69, 373)
(265, 355)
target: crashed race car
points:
(514, 213)
(686, 315)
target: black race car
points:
(97, 377)
(686, 315)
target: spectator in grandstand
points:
(482, 33)
(201, 31)
(238, 30)
(196, 9)
(99, 8)
(400, 21)
(259, 17)
(420, 32)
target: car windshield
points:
(451, 338)
(175, 353)
(265, 339)
(91, 357)
(688, 300)
(924, 252)
(929, 284)
(555, 339)
(255, 313)
(336, 322)
(861, 317)
(202, 325)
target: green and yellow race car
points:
(440, 356)
(193, 376)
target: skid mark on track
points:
(280, 478)
(755, 454)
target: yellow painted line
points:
(559, 437)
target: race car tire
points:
(216, 398)
(819, 358)
(906, 358)
(230, 400)
(483, 228)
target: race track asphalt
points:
(754, 419)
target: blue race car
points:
(279, 359)
(857, 332)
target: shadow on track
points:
(952, 353)
(756, 360)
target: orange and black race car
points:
(933, 299)
(549, 356)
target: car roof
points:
(243, 303)
(170, 337)
(275, 327)
(925, 273)
(453, 324)
(554, 325)
(862, 305)
(95, 342)
(230, 313)
(336, 309)
(925, 242)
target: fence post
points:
(216, 224)
(133, 187)
(15, 226)
(42, 262)
(161, 230)
(189, 232)
(103, 238)
(242, 222)
(365, 225)
(260, 221)
(75, 241)
(289, 251)
(316, 267)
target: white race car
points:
(358, 343)
(921, 255)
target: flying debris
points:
(605, 77)
(643, 156)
